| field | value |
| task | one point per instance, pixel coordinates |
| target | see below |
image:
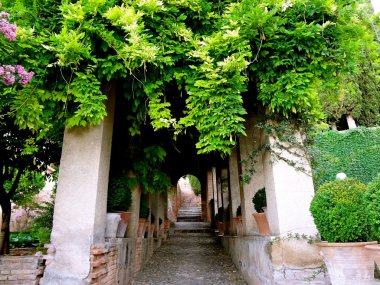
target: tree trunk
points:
(351, 122)
(6, 219)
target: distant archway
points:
(190, 191)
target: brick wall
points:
(26, 270)
(103, 264)
(120, 259)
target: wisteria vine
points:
(9, 74)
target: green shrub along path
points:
(355, 152)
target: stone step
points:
(192, 228)
(189, 219)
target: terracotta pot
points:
(221, 228)
(374, 251)
(238, 225)
(167, 225)
(348, 263)
(123, 224)
(142, 227)
(262, 223)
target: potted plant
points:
(238, 222)
(373, 206)
(338, 209)
(259, 201)
(118, 202)
(143, 215)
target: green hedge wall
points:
(355, 152)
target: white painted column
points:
(351, 122)
(215, 190)
(248, 145)
(133, 223)
(234, 187)
(81, 201)
(289, 194)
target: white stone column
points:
(289, 192)
(215, 190)
(247, 146)
(234, 182)
(351, 122)
(81, 200)
(133, 223)
(209, 196)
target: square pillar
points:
(234, 189)
(247, 146)
(209, 196)
(81, 200)
(289, 192)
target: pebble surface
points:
(190, 259)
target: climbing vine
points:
(208, 55)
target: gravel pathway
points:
(190, 259)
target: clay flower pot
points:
(262, 223)
(221, 228)
(348, 263)
(123, 224)
(167, 225)
(238, 225)
(374, 251)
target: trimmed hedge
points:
(339, 211)
(355, 152)
(373, 206)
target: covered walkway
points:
(190, 258)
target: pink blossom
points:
(6, 28)
(9, 74)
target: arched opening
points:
(190, 191)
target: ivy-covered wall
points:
(355, 152)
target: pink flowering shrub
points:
(9, 74)
(6, 28)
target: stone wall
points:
(26, 270)
(270, 261)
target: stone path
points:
(191, 256)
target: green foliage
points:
(339, 211)
(22, 240)
(195, 184)
(355, 152)
(42, 225)
(280, 50)
(238, 211)
(259, 200)
(373, 206)
(147, 167)
(120, 193)
(144, 208)
(31, 183)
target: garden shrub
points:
(119, 193)
(259, 200)
(339, 211)
(373, 206)
(355, 152)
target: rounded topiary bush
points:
(119, 193)
(373, 206)
(339, 211)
